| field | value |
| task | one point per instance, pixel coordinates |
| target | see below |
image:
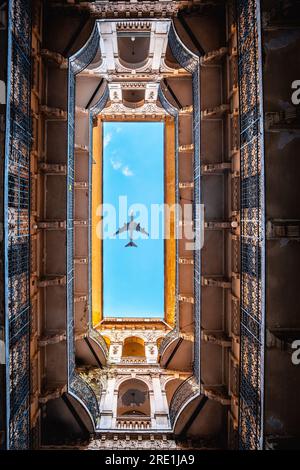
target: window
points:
(133, 346)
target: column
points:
(107, 414)
(160, 403)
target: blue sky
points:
(133, 167)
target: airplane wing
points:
(138, 228)
(122, 229)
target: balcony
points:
(91, 348)
(83, 392)
(168, 339)
(176, 351)
(133, 360)
(134, 422)
(101, 346)
(185, 393)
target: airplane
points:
(130, 227)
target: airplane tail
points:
(131, 243)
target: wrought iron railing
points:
(98, 107)
(252, 329)
(82, 58)
(70, 225)
(235, 316)
(17, 221)
(82, 390)
(185, 393)
(96, 335)
(169, 338)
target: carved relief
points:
(137, 442)
(117, 336)
(148, 8)
(95, 380)
(120, 108)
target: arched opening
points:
(133, 98)
(170, 61)
(133, 50)
(159, 341)
(133, 346)
(133, 399)
(107, 340)
(171, 387)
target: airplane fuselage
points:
(131, 227)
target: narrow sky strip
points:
(133, 167)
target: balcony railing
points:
(134, 423)
(96, 336)
(133, 360)
(185, 393)
(252, 196)
(168, 339)
(82, 390)
(16, 284)
(235, 315)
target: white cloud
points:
(107, 139)
(116, 164)
(126, 171)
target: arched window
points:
(134, 346)
(133, 399)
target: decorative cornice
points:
(133, 25)
(105, 8)
(120, 109)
